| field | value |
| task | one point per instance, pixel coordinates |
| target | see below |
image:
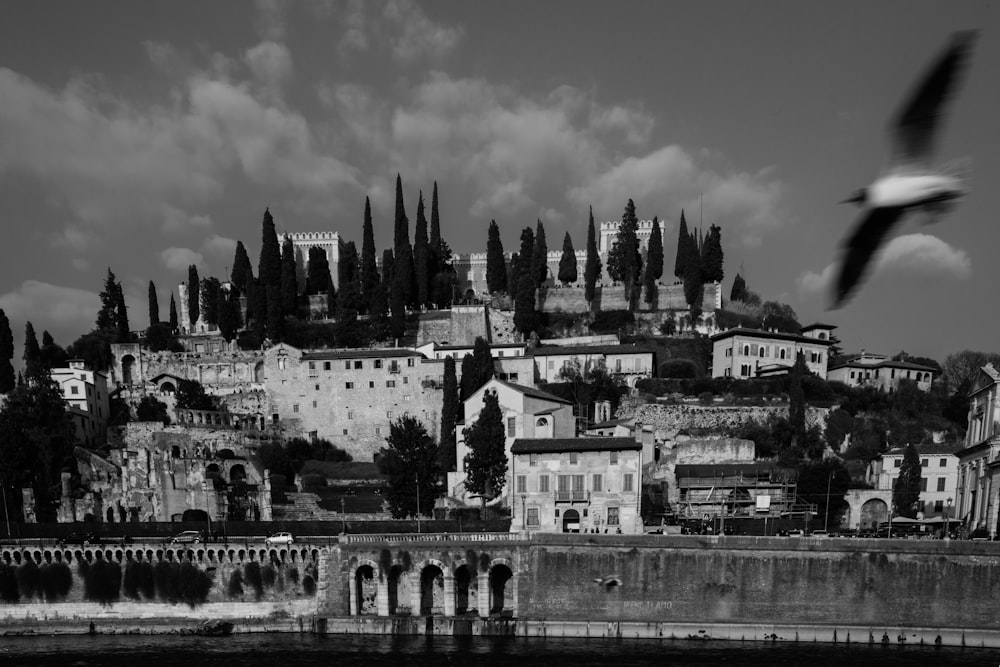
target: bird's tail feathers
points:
(959, 168)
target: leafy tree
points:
(242, 268)
(32, 353)
(173, 313)
(450, 408)
(906, 490)
(525, 316)
(592, 269)
(496, 266)
(410, 461)
(962, 367)
(209, 300)
(369, 269)
(739, 290)
(540, 256)
(160, 337)
(269, 264)
(824, 483)
(52, 355)
(274, 457)
(624, 259)
(654, 263)
(7, 379)
(567, 263)
(779, 316)
(582, 389)
(151, 409)
(797, 400)
(154, 306)
(317, 271)
(486, 462)
(107, 316)
(94, 349)
(712, 256)
(683, 237)
(421, 256)
(289, 281)
(194, 295)
(191, 396)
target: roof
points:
(374, 353)
(557, 445)
(929, 448)
(165, 375)
(819, 325)
(492, 346)
(532, 392)
(852, 361)
(770, 335)
(552, 350)
(724, 469)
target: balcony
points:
(394, 368)
(572, 496)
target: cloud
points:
(416, 35)
(76, 238)
(179, 259)
(176, 220)
(47, 305)
(812, 283)
(271, 65)
(219, 248)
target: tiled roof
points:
(852, 361)
(373, 353)
(534, 393)
(930, 448)
(819, 325)
(557, 445)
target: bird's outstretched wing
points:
(868, 235)
(914, 128)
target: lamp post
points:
(416, 481)
(6, 516)
(947, 517)
(343, 517)
(523, 497)
(826, 511)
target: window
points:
(613, 458)
(627, 482)
(388, 414)
(378, 430)
(74, 390)
(314, 404)
(522, 484)
(533, 459)
(359, 365)
(938, 505)
(312, 369)
(598, 483)
(543, 483)
(316, 387)
(612, 516)
(552, 365)
(345, 431)
(923, 483)
(390, 383)
(896, 463)
(371, 384)
(326, 365)
(406, 397)
(281, 363)
(618, 365)
(350, 415)
(378, 364)
(574, 458)
(406, 379)
(943, 463)
(511, 425)
(409, 362)
(347, 365)
(923, 463)
(940, 484)
(348, 385)
(533, 516)
(295, 407)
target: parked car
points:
(796, 532)
(80, 538)
(186, 537)
(819, 533)
(279, 538)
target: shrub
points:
(678, 368)
(610, 321)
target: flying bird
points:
(910, 182)
(609, 581)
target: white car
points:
(279, 538)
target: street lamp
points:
(947, 516)
(523, 497)
(416, 481)
(826, 512)
(343, 517)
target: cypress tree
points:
(269, 266)
(483, 368)
(397, 316)
(154, 306)
(739, 290)
(121, 316)
(173, 314)
(227, 328)
(567, 263)
(349, 267)
(194, 295)
(421, 256)
(496, 267)
(486, 462)
(241, 267)
(712, 256)
(654, 263)
(540, 256)
(524, 304)
(32, 353)
(210, 288)
(693, 277)
(527, 252)
(249, 292)
(906, 490)
(107, 316)
(624, 259)
(369, 269)
(274, 315)
(682, 248)
(318, 273)
(468, 378)
(435, 239)
(592, 269)
(403, 274)
(289, 282)
(401, 224)
(379, 316)
(259, 310)
(388, 268)
(449, 416)
(797, 400)
(7, 379)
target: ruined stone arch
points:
(434, 583)
(364, 590)
(128, 364)
(502, 586)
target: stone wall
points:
(612, 297)
(668, 420)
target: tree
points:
(693, 284)
(151, 409)
(388, 267)
(525, 317)
(906, 490)
(193, 296)
(397, 314)
(779, 316)
(269, 265)
(486, 462)
(379, 314)
(797, 400)
(624, 259)
(7, 379)
(94, 349)
(526, 253)
(410, 461)
(160, 337)
(369, 269)
(680, 261)
(52, 355)
(275, 319)
(450, 408)
(228, 307)
(496, 266)
(402, 279)
(242, 268)
(191, 395)
(401, 234)
(567, 263)
(317, 272)
(154, 306)
(209, 300)
(107, 316)
(435, 239)
(289, 281)
(121, 316)
(32, 353)
(592, 270)
(962, 367)
(654, 263)
(173, 314)
(739, 290)
(540, 256)
(824, 483)
(260, 312)
(477, 368)
(421, 257)
(712, 256)
(331, 298)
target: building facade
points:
(87, 401)
(576, 485)
(630, 363)
(748, 353)
(877, 370)
(978, 493)
(939, 465)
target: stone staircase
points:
(302, 506)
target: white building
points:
(749, 353)
(979, 463)
(87, 400)
(628, 362)
(877, 370)
(938, 476)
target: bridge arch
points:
(866, 507)
(365, 585)
(434, 588)
(501, 593)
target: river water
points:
(284, 650)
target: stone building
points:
(978, 492)
(878, 370)
(87, 400)
(630, 363)
(220, 367)
(746, 353)
(576, 485)
(938, 475)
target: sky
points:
(145, 137)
